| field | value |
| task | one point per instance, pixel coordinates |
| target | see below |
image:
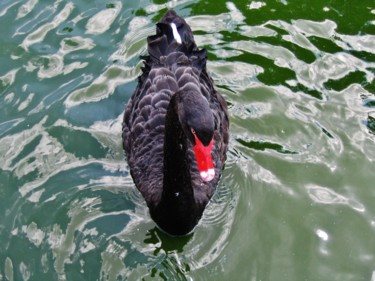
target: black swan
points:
(175, 129)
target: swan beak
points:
(207, 175)
(204, 159)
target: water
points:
(296, 200)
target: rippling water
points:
(296, 200)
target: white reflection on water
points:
(25, 271)
(153, 8)
(5, 10)
(139, 28)
(324, 237)
(240, 75)
(39, 34)
(55, 62)
(34, 234)
(26, 8)
(325, 29)
(103, 20)
(257, 31)
(103, 86)
(8, 269)
(324, 195)
(8, 78)
(358, 42)
(255, 5)
(132, 46)
(322, 234)
(213, 24)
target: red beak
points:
(204, 159)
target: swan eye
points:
(193, 131)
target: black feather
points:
(174, 95)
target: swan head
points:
(198, 125)
(204, 158)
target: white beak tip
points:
(208, 175)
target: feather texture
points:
(172, 67)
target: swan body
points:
(175, 129)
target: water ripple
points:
(103, 20)
(4, 10)
(133, 43)
(324, 195)
(53, 65)
(8, 78)
(26, 8)
(239, 75)
(300, 163)
(103, 86)
(39, 34)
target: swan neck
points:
(176, 166)
(177, 212)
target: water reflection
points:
(103, 20)
(40, 33)
(298, 184)
(325, 195)
(164, 242)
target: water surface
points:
(296, 199)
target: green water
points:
(297, 198)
